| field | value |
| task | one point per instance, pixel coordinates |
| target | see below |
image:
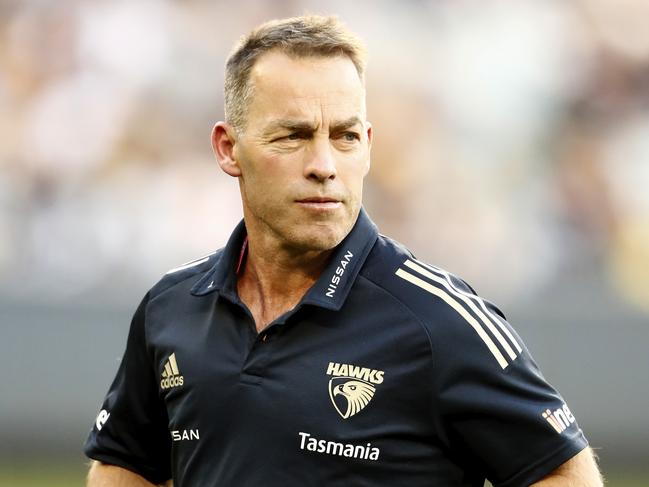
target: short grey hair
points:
(304, 36)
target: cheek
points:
(271, 167)
(265, 181)
(353, 174)
(257, 168)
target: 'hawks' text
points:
(348, 370)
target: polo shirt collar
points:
(329, 291)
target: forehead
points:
(305, 87)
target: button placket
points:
(258, 357)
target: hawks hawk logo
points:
(350, 388)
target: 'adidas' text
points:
(171, 375)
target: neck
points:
(275, 277)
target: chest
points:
(331, 366)
(349, 387)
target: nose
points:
(320, 163)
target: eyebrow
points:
(301, 126)
(339, 125)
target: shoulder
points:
(190, 271)
(393, 267)
(449, 308)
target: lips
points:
(319, 199)
(319, 203)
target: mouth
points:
(320, 203)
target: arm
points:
(102, 475)
(580, 471)
(131, 429)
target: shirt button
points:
(264, 336)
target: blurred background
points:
(511, 148)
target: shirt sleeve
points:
(495, 409)
(131, 428)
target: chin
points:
(320, 238)
(317, 242)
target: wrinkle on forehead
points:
(319, 117)
(313, 90)
(298, 124)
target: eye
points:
(293, 136)
(351, 136)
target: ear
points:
(224, 139)
(369, 133)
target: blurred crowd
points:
(511, 138)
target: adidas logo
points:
(171, 375)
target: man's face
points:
(305, 150)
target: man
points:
(311, 350)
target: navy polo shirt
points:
(388, 372)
